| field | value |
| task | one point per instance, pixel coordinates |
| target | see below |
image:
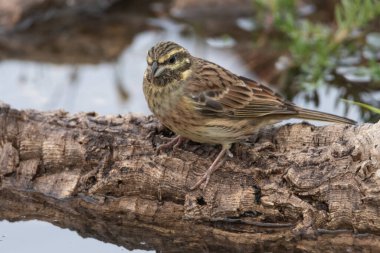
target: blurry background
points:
(89, 55)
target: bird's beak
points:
(157, 70)
(154, 68)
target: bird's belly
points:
(214, 131)
(187, 125)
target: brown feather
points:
(236, 97)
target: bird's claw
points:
(174, 143)
(154, 128)
(205, 179)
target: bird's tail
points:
(321, 116)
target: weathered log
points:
(292, 188)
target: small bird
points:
(204, 102)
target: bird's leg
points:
(214, 166)
(174, 143)
(179, 142)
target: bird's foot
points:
(205, 178)
(174, 143)
(214, 166)
(154, 128)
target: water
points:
(107, 88)
(38, 236)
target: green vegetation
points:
(365, 106)
(316, 47)
(354, 14)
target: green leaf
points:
(368, 107)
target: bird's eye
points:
(173, 59)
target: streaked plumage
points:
(204, 102)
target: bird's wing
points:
(217, 92)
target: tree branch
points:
(100, 176)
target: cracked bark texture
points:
(292, 188)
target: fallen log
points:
(293, 187)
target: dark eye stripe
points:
(179, 57)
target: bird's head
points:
(167, 62)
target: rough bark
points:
(296, 188)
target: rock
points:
(13, 12)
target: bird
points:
(203, 102)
